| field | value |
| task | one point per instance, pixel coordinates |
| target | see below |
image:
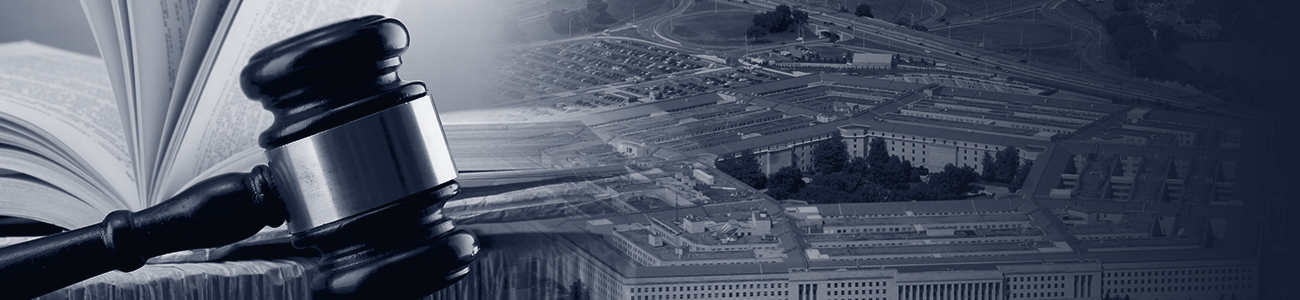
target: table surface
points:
(254, 279)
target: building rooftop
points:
(918, 207)
(925, 220)
(822, 78)
(516, 146)
(959, 126)
(876, 236)
(645, 110)
(950, 133)
(1201, 170)
(1037, 101)
(936, 250)
(872, 58)
(705, 124)
(669, 253)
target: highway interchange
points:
(1099, 78)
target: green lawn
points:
(1010, 34)
(712, 5)
(894, 11)
(960, 10)
(622, 9)
(727, 28)
(538, 29)
(1059, 56)
(724, 28)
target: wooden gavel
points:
(358, 167)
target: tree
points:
(877, 153)
(1008, 162)
(598, 12)
(894, 174)
(744, 168)
(1019, 181)
(858, 165)
(755, 32)
(577, 291)
(831, 36)
(780, 19)
(852, 184)
(591, 18)
(1122, 5)
(785, 183)
(829, 155)
(799, 17)
(560, 21)
(951, 183)
(1168, 39)
(955, 180)
(990, 167)
(841, 187)
(863, 10)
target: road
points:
(1104, 78)
(974, 57)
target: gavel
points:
(358, 167)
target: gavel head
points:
(360, 159)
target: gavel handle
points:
(215, 212)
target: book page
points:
(203, 28)
(25, 197)
(101, 16)
(126, 107)
(30, 164)
(219, 120)
(105, 18)
(157, 38)
(67, 95)
(28, 152)
(241, 162)
(16, 133)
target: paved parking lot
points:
(573, 66)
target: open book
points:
(81, 137)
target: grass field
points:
(1010, 35)
(532, 30)
(888, 10)
(727, 28)
(962, 10)
(711, 6)
(539, 29)
(899, 10)
(622, 9)
(1059, 56)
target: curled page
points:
(218, 120)
(26, 197)
(157, 38)
(67, 95)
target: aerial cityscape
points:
(875, 149)
(855, 149)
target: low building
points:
(873, 61)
